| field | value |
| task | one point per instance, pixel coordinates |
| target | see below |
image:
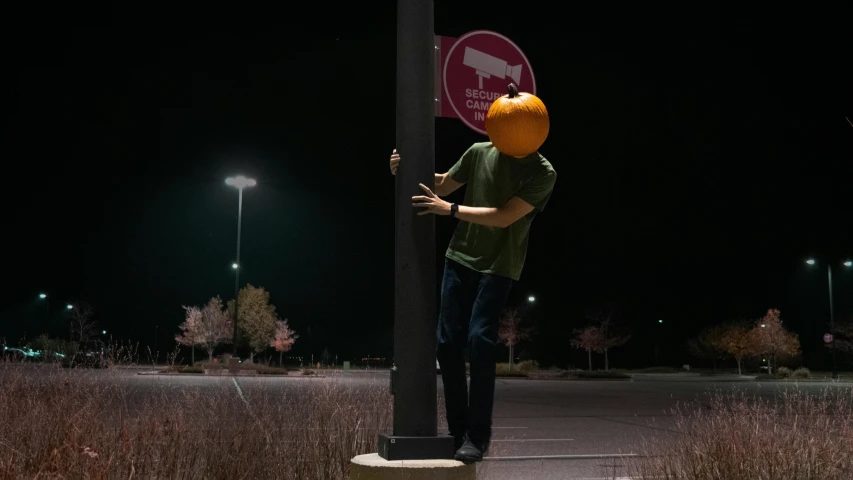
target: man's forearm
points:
(439, 184)
(488, 216)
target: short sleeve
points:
(461, 171)
(538, 190)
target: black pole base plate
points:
(439, 447)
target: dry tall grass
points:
(737, 436)
(73, 423)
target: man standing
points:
(484, 259)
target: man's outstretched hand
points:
(430, 202)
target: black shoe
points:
(470, 451)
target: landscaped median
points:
(595, 375)
(251, 369)
(528, 369)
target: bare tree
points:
(611, 336)
(82, 324)
(512, 330)
(588, 339)
(769, 337)
(257, 318)
(735, 341)
(284, 339)
(843, 337)
(217, 326)
(190, 330)
(707, 345)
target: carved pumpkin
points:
(517, 123)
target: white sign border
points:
(450, 53)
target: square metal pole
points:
(413, 376)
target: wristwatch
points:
(454, 209)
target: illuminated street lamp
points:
(240, 182)
(848, 263)
(69, 306)
(531, 299)
(43, 296)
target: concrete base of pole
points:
(234, 365)
(374, 467)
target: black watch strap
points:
(454, 209)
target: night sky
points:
(703, 154)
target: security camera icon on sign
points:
(487, 65)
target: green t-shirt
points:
(492, 179)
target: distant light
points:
(660, 321)
(69, 306)
(810, 261)
(531, 299)
(763, 325)
(235, 266)
(103, 332)
(763, 359)
(42, 296)
(848, 263)
(240, 181)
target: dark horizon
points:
(701, 161)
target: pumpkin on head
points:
(517, 123)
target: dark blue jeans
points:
(471, 305)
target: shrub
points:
(658, 370)
(741, 436)
(525, 366)
(801, 372)
(596, 374)
(185, 369)
(308, 371)
(511, 373)
(267, 370)
(68, 423)
(783, 372)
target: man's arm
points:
(503, 217)
(445, 184)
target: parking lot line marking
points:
(240, 391)
(564, 457)
(495, 428)
(536, 440)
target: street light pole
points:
(832, 322)
(240, 182)
(237, 270)
(413, 383)
(812, 261)
(44, 296)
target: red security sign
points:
(475, 70)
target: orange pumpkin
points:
(517, 123)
